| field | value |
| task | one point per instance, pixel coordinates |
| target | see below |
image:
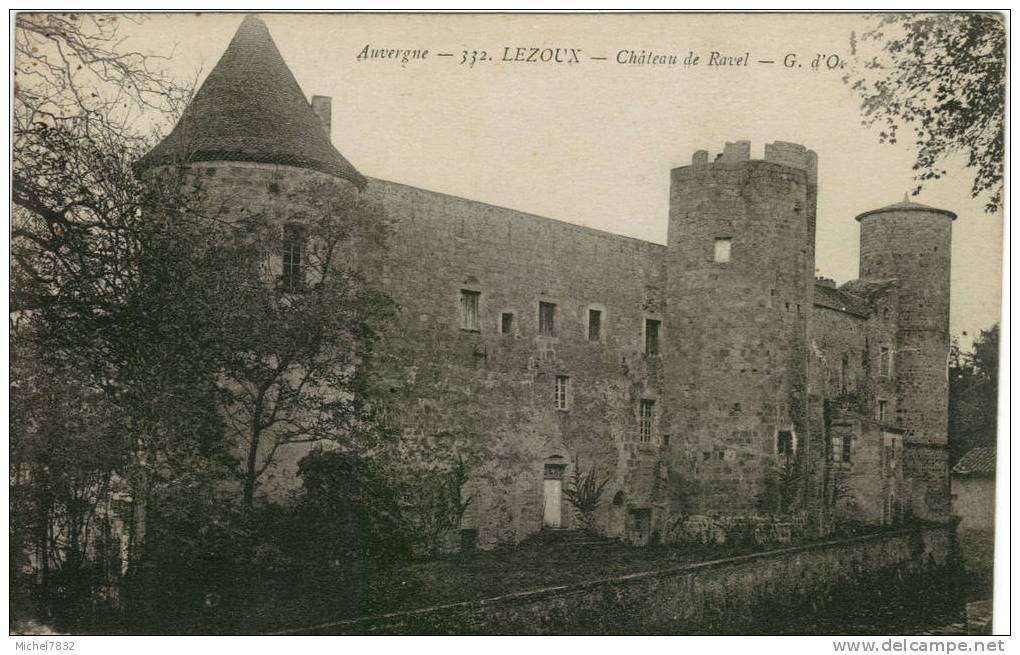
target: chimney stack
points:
(323, 108)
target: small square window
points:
(469, 310)
(722, 249)
(547, 319)
(506, 323)
(594, 325)
(562, 392)
(651, 337)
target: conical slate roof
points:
(907, 205)
(250, 108)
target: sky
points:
(593, 143)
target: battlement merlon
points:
(785, 153)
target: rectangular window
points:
(847, 442)
(784, 442)
(844, 367)
(647, 419)
(722, 249)
(651, 337)
(547, 319)
(469, 310)
(293, 278)
(883, 411)
(562, 392)
(594, 325)
(506, 324)
(885, 361)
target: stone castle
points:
(705, 379)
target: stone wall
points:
(745, 352)
(739, 360)
(741, 595)
(974, 502)
(911, 243)
(491, 395)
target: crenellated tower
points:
(910, 243)
(740, 266)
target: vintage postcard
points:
(505, 324)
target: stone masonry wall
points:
(913, 247)
(740, 356)
(741, 595)
(493, 394)
(743, 351)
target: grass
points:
(300, 598)
(310, 597)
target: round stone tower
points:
(251, 149)
(910, 243)
(740, 267)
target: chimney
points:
(323, 108)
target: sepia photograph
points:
(453, 323)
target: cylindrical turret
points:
(740, 266)
(910, 243)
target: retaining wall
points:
(750, 594)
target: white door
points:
(553, 503)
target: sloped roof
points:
(841, 301)
(907, 205)
(978, 462)
(250, 108)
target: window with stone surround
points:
(651, 336)
(885, 361)
(506, 323)
(837, 447)
(723, 246)
(646, 420)
(293, 255)
(786, 443)
(562, 392)
(547, 319)
(594, 325)
(469, 301)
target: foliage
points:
(104, 389)
(148, 341)
(293, 362)
(782, 487)
(347, 510)
(943, 75)
(973, 394)
(584, 493)
(433, 503)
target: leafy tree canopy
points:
(943, 76)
